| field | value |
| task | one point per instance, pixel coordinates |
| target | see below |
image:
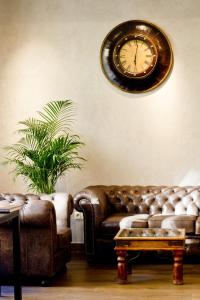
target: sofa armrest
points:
(94, 197)
(92, 202)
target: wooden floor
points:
(148, 282)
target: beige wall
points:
(50, 50)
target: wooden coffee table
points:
(150, 239)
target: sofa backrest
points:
(153, 199)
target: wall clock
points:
(136, 56)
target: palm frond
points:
(58, 115)
(46, 150)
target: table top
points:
(150, 234)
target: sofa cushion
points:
(156, 220)
(182, 221)
(135, 221)
(110, 225)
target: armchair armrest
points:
(34, 212)
(63, 203)
(38, 213)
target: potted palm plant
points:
(46, 149)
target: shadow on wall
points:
(192, 177)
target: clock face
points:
(135, 57)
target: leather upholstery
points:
(104, 207)
(45, 234)
(197, 224)
(134, 221)
(156, 220)
(181, 221)
(111, 224)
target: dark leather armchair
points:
(45, 235)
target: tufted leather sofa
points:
(45, 235)
(106, 208)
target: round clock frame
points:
(136, 56)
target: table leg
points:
(178, 266)
(129, 263)
(122, 266)
(16, 258)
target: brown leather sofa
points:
(105, 208)
(45, 235)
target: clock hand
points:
(136, 52)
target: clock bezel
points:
(162, 68)
(117, 62)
